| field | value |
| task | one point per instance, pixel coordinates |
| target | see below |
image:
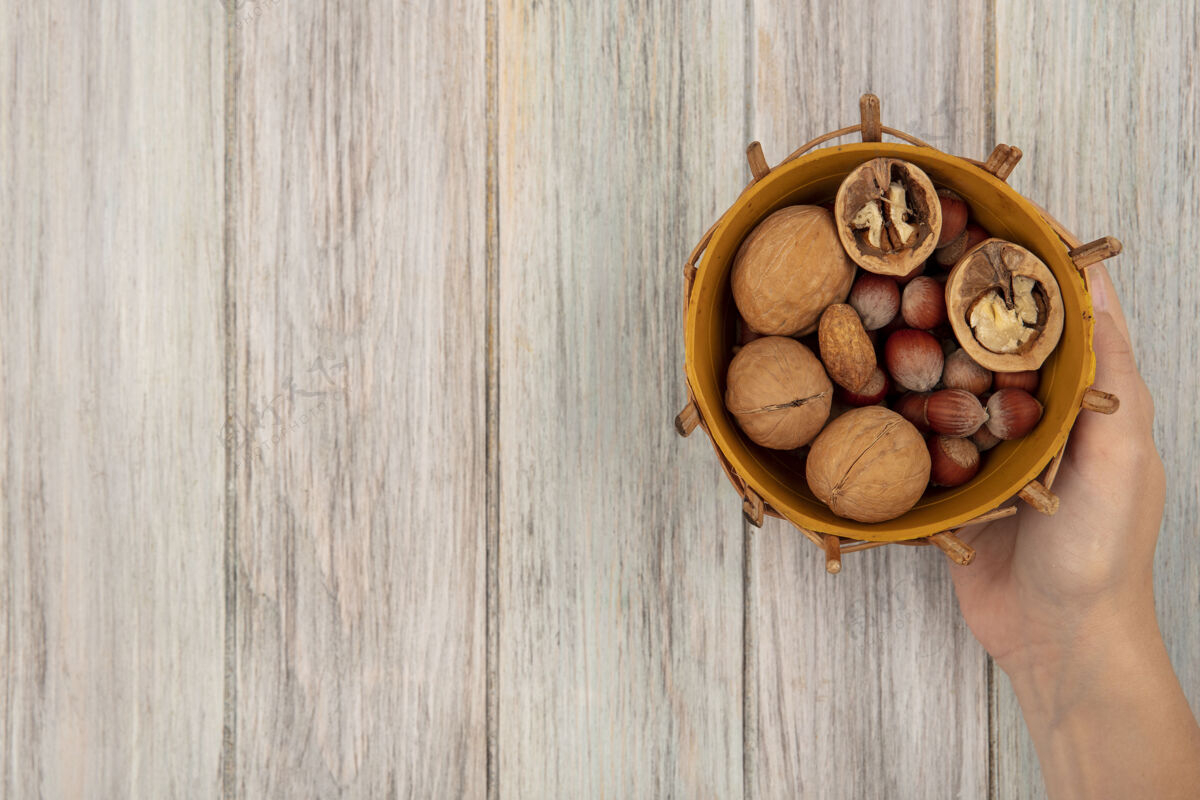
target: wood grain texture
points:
(361, 340)
(1103, 100)
(361, 336)
(111, 399)
(621, 139)
(869, 683)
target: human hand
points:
(1065, 604)
(1040, 583)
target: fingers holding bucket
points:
(1104, 298)
(1116, 363)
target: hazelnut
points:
(778, 392)
(911, 406)
(985, 439)
(954, 412)
(961, 372)
(1025, 379)
(954, 216)
(789, 269)
(1005, 306)
(924, 303)
(952, 461)
(869, 465)
(949, 255)
(914, 359)
(888, 216)
(870, 393)
(918, 270)
(846, 351)
(1012, 413)
(876, 298)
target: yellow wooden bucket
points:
(767, 480)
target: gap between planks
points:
(492, 404)
(989, 117)
(749, 662)
(229, 568)
(749, 545)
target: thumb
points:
(1104, 297)
(1116, 362)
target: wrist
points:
(1089, 651)
(1078, 628)
(1101, 693)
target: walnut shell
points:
(888, 216)
(1005, 307)
(778, 392)
(869, 465)
(789, 269)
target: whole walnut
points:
(778, 392)
(789, 269)
(869, 465)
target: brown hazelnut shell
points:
(869, 183)
(985, 439)
(948, 255)
(1012, 413)
(869, 465)
(789, 269)
(992, 265)
(923, 303)
(911, 406)
(954, 412)
(961, 372)
(914, 359)
(955, 212)
(778, 392)
(1027, 380)
(953, 461)
(873, 391)
(876, 298)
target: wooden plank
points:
(1118, 155)
(812, 62)
(361, 344)
(111, 399)
(621, 140)
(869, 683)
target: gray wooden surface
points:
(339, 352)
(360, 292)
(620, 559)
(111, 400)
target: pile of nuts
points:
(887, 340)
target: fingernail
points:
(1098, 284)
